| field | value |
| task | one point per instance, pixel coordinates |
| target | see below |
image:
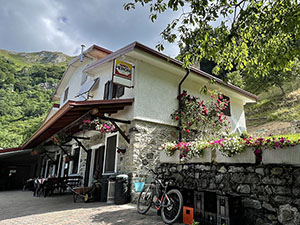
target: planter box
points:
(164, 158)
(205, 159)
(247, 156)
(287, 155)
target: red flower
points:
(188, 131)
(177, 117)
(190, 123)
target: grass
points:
(272, 106)
(291, 137)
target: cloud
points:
(34, 25)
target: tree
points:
(260, 38)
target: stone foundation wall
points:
(270, 194)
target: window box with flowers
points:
(282, 151)
(233, 150)
(169, 153)
(186, 152)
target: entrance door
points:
(98, 163)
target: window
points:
(117, 90)
(75, 164)
(226, 111)
(66, 94)
(110, 154)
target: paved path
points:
(17, 208)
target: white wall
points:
(157, 89)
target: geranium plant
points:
(187, 150)
(227, 146)
(99, 125)
(202, 118)
(61, 138)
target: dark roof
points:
(72, 111)
(137, 45)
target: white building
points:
(142, 110)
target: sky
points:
(63, 25)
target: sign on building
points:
(123, 73)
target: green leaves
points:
(23, 102)
(258, 38)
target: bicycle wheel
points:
(171, 206)
(145, 199)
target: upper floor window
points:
(115, 90)
(227, 110)
(66, 94)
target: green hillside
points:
(27, 82)
(273, 106)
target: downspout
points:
(179, 104)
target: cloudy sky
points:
(63, 25)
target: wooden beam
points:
(64, 151)
(121, 132)
(49, 157)
(81, 138)
(80, 144)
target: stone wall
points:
(145, 140)
(269, 194)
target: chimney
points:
(81, 54)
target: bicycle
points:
(168, 202)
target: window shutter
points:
(120, 91)
(227, 111)
(106, 90)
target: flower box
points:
(206, 158)
(247, 156)
(287, 155)
(164, 158)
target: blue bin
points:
(139, 186)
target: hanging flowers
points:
(99, 125)
(61, 138)
(202, 118)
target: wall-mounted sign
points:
(122, 73)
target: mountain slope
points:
(27, 82)
(274, 113)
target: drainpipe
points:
(179, 103)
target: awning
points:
(72, 111)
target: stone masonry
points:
(270, 194)
(145, 140)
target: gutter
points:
(179, 104)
